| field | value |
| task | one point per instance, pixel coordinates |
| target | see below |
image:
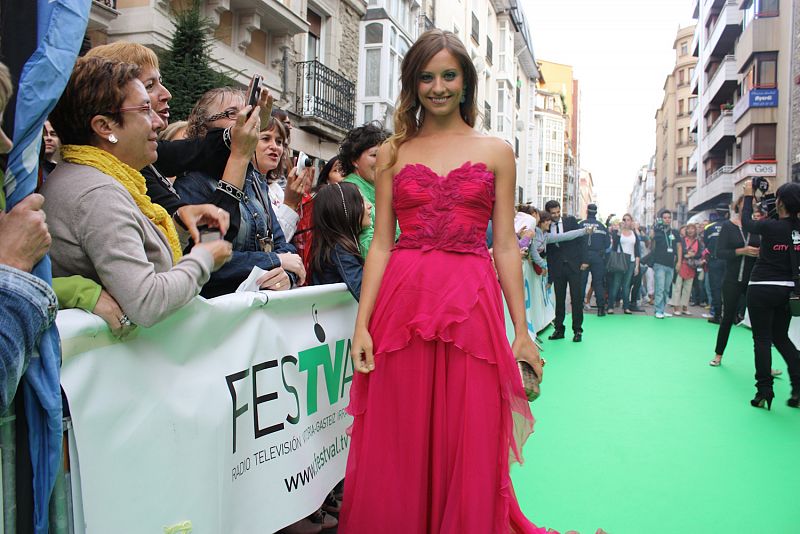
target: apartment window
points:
(368, 113)
(692, 103)
(314, 33)
(680, 107)
(767, 71)
(487, 115)
(488, 50)
(519, 93)
(679, 136)
(681, 77)
(372, 83)
(680, 167)
(476, 34)
(373, 33)
(684, 48)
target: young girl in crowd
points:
(340, 214)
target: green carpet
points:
(637, 434)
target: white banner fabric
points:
(228, 416)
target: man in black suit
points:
(564, 263)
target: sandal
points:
(716, 362)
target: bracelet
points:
(228, 189)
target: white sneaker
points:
(687, 312)
(677, 313)
(707, 316)
(667, 314)
(659, 315)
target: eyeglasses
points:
(229, 113)
(141, 109)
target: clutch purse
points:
(530, 380)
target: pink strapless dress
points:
(444, 413)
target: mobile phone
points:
(254, 92)
(208, 234)
(303, 161)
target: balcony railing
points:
(725, 113)
(725, 169)
(325, 94)
(108, 3)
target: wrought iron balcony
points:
(325, 94)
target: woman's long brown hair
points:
(409, 115)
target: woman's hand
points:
(747, 251)
(24, 234)
(525, 349)
(361, 351)
(244, 134)
(220, 250)
(296, 186)
(265, 104)
(748, 188)
(108, 310)
(276, 279)
(196, 215)
(293, 263)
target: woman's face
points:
(137, 137)
(224, 110)
(366, 220)
(441, 84)
(627, 223)
(691, 230)
(159, 95)
(269, 150)
(545, 226)
(365, 164)
(335, 175)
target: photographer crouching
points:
(772, 283)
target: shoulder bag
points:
(617, 261)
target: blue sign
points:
(764, 98)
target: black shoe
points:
(635, 309)
(714, 320)
(601, 312)
(761, 399)
(577, 338)
(794, 400)
(556, 335)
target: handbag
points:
(530, 380)
(617, 262)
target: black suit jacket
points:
(569, 255)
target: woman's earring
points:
(113, 139)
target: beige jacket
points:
(99, 233)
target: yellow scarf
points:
(133, 181)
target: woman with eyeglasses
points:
(104, 226)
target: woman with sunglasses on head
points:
(104, 226)
(340, 213)
(772, 281)
(430, 339)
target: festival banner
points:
(228, 416)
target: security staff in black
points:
(716, 266)
(597, 243)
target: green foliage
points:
(186, 65)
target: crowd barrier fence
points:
(228, 416)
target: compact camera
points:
(304, 161)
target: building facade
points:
(642, 202)
(559, 79)
(549, 121)
(674, 178)
(794, 116)
(744, 80)
(304, 49)
(585, 193)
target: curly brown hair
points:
(96, 87)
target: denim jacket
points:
(199, 188)
(343, 266)
(27, 308)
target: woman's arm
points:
(506, 254)
(380, 251)
(533, 249)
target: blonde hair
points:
(126, 52)
(199, 115)
(409, 115)
(170, 133)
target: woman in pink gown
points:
(438, 403)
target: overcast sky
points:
(621, 51)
